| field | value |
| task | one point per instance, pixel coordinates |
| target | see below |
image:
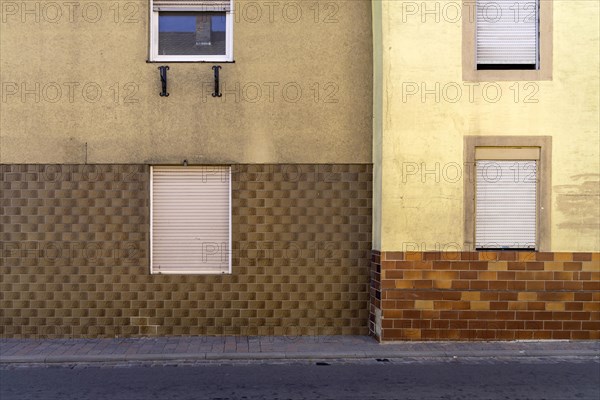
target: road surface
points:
(551, 378)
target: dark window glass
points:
(191, 33)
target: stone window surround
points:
(469, 69)
(544, 143)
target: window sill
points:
(188, 62)
(493, 75)
(212, 273)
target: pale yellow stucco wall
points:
(424, 211)
(324, 49)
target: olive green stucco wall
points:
(76, 87)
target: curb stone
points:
(61, 359)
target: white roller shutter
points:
(190, 220)
(506, 204)
(192, 5)
(507, 31)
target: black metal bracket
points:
(217, 92)
(163, 80)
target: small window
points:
(506, 204)
(191, 30)
(507, 40)
(190, 220)
(508, 192)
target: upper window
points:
(190, 220)
(507, 40)
(507, 34)
(191, 30)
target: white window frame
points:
(227, 57)
(176, 272)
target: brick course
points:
(74, 255)
(484, 295)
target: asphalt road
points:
(430, 379)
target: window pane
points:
(191, 33)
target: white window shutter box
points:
(192, 5)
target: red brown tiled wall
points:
(74, 256)
(484, 295)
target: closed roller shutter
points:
(506, 204)
(507, 32)
(192, 5)
(190, 220)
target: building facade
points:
(279, 242)
(409, 170)
(486, 171)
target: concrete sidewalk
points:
(270, 348)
